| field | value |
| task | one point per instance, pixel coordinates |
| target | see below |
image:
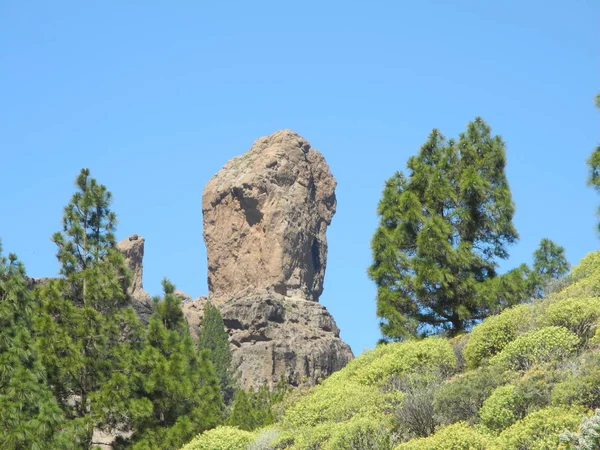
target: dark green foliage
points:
(594, 164)
(442, 229)
(549, 263)
(213, 337)
(252, 410)
(29, 414)
(177, 390)
(83, 321)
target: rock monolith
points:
(265, 215)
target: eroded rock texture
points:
(265, 216)
(133, 250)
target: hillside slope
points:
(517, 381)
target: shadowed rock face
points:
(265, 215)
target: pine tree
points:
(442, 230)
(594, 165)
(252, 410)
(549, 263)
(85, 328)
(181, 386)
(29, 415)
(213, 337)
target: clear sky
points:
(155, 96)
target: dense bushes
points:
(502, 408)
(578, 315)
(428, 354)
(458, 436)
(580, 387)
(529, 375)
(539, 430)
(493, 334)
(588, 437)
(221, 438)
(460, 398)
(545, 344)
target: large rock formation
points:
(265, 217)
(133, 250)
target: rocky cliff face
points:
(265, 216)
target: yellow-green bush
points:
(579, 315)
(585, 277)
(458, 436)
(539, 430)
(545, 344)
(502, 408)
(333, 401)
(361, 431)
(417, 355)
(221, 438)
(494, 333)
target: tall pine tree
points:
(442, 230)
(85, 328)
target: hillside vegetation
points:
(522, 379)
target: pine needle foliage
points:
(443, 228)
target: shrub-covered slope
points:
(519, 380)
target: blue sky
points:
(155, 97)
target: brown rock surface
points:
(133, 250)
(265, 216)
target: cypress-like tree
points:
(181, 387)
(85, 328)
(30, 417)
(442, 230)
(213, 337)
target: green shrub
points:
(221, 438)
(539, 430)
(543, 345)
(493, 334)
(585, 279)
(588, 437)
(460, 398)
(416, 355)
(582, 386)
(578, 315)
(334, 401)
(362, 433)
(458, 436)
(502, 408)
